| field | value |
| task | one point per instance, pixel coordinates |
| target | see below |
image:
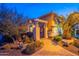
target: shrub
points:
(7, 46)
(76, 45)
(42, 43)
(8, 39)
(30, 35)
(37, 43)
(30, 48)
(27, 40)
(58, 38)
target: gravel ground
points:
(10, 52)
(48, 50)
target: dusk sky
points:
(34, 10)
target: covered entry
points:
(40, 29)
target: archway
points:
(40, 25)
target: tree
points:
(71, 20)
(9, 21)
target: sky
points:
(35, 10)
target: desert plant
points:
(58, 38)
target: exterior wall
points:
(37, 32)
(76, 28)
(51, 21)
(51, 25)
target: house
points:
(45, 26)
(75, 30)
(53, 24)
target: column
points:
(37, 32)
(45, 31)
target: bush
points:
(42, 43)
(37, 43)
(76, 45)
(58, 38)
(8, 39)
(7, 46)
(30, 48)
(30, 35)
(27, 40)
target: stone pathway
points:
(50, 49)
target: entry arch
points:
(38, 28)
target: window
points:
(77, 31)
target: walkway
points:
(50, 49)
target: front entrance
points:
(41, 25)
(40, 30)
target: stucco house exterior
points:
(45, 26)
(53, 24)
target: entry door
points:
(41, 30)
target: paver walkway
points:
(50, 49)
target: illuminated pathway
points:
(52, 50)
